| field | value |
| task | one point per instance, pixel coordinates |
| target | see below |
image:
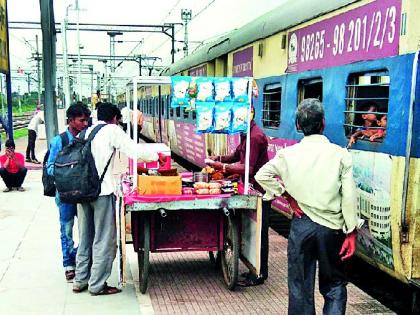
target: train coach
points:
(357, 57)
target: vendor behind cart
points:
(234, 164)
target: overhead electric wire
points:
(192, 18)
(143, 39)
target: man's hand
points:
(217, 166)
(162, 159)
(297, 211)
(349, 246)
(9, 153)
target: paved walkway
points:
(31, 277)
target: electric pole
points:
(186, 17)
(112, 60)
(79, 77)
(38, 70)
(29, 83)
(49, 69)
(66, 79)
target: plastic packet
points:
(204, 117)
(222, 117)
(222, 89)
(240, 89)
(239, 117)
(205, 89)
(180, 96)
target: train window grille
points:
(367, 92)
(271, 106)
(178, 112)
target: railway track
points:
(20, 121)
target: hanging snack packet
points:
(204, 117)
(240, 89)
(239, 117)
(222, 89)
(180, 96)
(205, 89)
(222, 117)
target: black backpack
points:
(75, 173)
(48, 180)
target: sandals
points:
(70, 274)
(79, 288)
(107, 290)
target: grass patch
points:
(20, 133)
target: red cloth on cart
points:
(129, 199)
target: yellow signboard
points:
(4, 50)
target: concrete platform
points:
(32, 279)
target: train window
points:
(194, 115)
(309, 88)
(367, 106)
(172, 112)
(186, 113)
(178, 112)
(271, 106)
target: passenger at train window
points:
(317, 178)
(369, 124)
(380, 133)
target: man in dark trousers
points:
(12, 169)
(235, 164)
(317, 178)
(77, 118)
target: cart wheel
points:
(230, 253)
(143, 256)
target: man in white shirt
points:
(316, 176)
(36, 120)
(96, 219)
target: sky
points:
(211, 18)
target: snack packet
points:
(240, 89)
(222, 117)
(205, 89)
(204, 117)
(239, 117)
(222, 89)
(180, 96)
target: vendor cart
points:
(209, 223)
(229, 225)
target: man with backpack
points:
(77, 119)
(96, 219)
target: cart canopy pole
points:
(127, 102)
(248, 139)
(135, 114)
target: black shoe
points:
(249, 280)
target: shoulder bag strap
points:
(106, 168)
